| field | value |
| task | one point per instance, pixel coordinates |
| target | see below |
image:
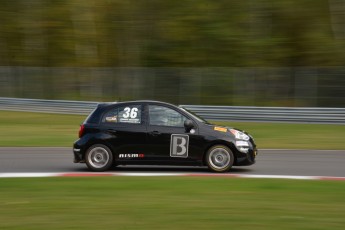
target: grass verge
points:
(170, 203)
(37, 129)
(294, 136)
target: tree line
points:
(187, 33)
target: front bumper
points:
(246, 152)
(246, 158)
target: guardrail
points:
(271, 114)
(47, 106)
(222, 113)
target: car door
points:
(124, 129)
(167, 139)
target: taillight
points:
(81, 130)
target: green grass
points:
(37, 129)
(170, 203)
(294, 136)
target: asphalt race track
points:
(269, 162)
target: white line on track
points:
(27, 175)
(21, 175)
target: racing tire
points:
(99, 158)
(219, 158)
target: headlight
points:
(239, 135)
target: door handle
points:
(155, 133)
(111, 130)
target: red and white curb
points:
(32, 175)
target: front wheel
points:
(99, 158)
(219, 158)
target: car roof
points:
(137, 101)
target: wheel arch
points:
(99, 157)
(230, 145)
(97, 141)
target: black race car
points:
(157, 133)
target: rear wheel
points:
(99, 158)
(219, 158)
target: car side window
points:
(126, 114)
(111, 116)
(164, 116)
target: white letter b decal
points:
(179, 145)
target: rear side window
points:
(126, 114)
(94, 116)
(111, 116)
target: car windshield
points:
(200, 119)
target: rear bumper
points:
(77, 156)
(78, 153)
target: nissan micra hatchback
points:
(158, 133)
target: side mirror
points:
(188, 124)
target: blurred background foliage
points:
(263, 52)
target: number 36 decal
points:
(130, 113)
